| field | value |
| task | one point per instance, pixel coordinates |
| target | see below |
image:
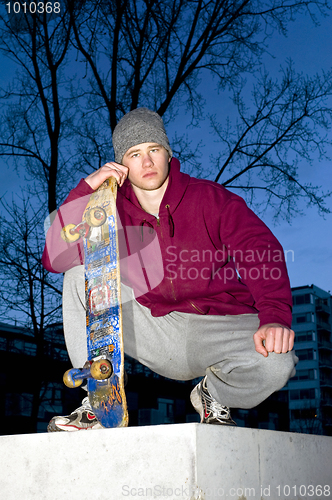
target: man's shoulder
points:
(201, 191)
(206, 184)
(212, 188)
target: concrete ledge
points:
(184, 461)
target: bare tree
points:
(35, 134)
(288, 123)
(37, 118)
(28, 292)
(156, 54)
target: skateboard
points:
(104, 369)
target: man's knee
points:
(73, 284)
(75, 275)
(279, 368)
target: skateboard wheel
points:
(68, 235)
(96, 217)
(69, 381)
(101, 369)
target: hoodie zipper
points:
(173, 290)
(196, 308)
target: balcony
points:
(326, 382)
(326, 401)
(323, 324)
(326, 396)
(324, 343)
(322, 307)
(325, 362)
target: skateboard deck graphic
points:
(104, 370)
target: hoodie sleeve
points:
(259, 260)
(59, 255)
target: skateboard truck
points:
(96, 217)
(100, 369)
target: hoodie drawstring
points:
(170, 222)
(151, 228)
(146, 222)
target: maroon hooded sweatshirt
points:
(207, 253)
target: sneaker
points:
(210, 411)
(81, 419)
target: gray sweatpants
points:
(184, 346)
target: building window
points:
(303, 299)
(304, 414)
(304, 318)
(164, 414)
(18, 346)
(304, 336)
(322, 302)
(304, 375)
(305, 354)
(302, 394)
(166, 408)
(18, 404)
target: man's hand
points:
(274, 338)
(110, 169)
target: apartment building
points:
(310, 391)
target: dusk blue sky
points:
(308, 239)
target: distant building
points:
(310, 391)
(31, 388)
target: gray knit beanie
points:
(138, 126)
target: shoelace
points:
(219, 411)
(216, 408)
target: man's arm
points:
(60, 255)
(260, 262)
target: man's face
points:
(148, 165)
